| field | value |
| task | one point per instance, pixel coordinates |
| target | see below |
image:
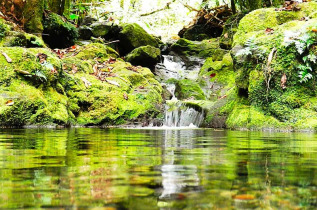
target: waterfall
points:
(177, 114)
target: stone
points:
(146, 56)
(85, 32)
(133, 36)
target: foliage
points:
(303, 43)
(251, 51)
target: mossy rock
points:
(204, 49)
(201, 32)
(85, 32)
(65, 99)
(133, 36)
(58, 33)
(146, 56)
(186, 89)
(11, 36)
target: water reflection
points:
(176, 177)
(157, 169)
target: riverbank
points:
(258, 75)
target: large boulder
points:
(274, 59)
(201, 32)
(146, 56)
(133, 36)
(58, 33)
(89, 87)
(204, 49)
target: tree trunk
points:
(233, 7)
(60, 7)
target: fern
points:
(251, 49)
(39, 75)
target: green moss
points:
(4, 28)
(133, 36)
(60, 33)
(249, 117)
(92, 51)
(204, 49)
(187, 88)
(146, 56)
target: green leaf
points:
(73, 17)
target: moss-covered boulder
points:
(188, 89)
(58, 33)
(201, 32)
(133, 36)
(204, 49)
(11, 36)
(274, 59)
(146, 56)
(70, 91)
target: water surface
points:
(156, 169)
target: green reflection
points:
(156, 169)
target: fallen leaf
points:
(212, 75)
(244, 197)
(42, 57)
(10, 103)
(9, 60)
(283, 81)
(74, 69)
(269, 31)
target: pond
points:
(96, 168)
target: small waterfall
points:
(178, 115)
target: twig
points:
(9, 60)
(158, 10)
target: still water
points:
(157, 169)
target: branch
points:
(189, 7)
(159, 10)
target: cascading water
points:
(177, 114)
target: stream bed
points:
(96, 168)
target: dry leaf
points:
(42, 57)
(113, 83)
(125, 96)
(245, 197)
(10, 103)
(74, 69)
(283, 81)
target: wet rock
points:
(146, 56)
(186, 89)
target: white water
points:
(181, 116)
